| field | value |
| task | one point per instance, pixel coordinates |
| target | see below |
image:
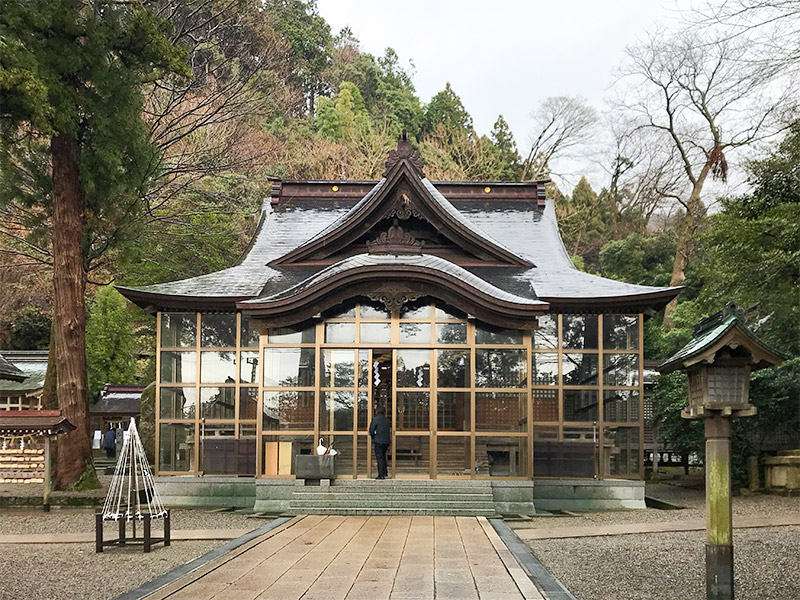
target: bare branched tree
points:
(562, 123)
(707, 101)
(771, 27)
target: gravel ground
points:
(75, 520)
(670, 566)
(75, 572)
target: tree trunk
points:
(695, 209)
(75, 448)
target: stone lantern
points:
(718, 361)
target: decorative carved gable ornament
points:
(395, 241)
(394, 297)
(404, 209)
(405, 151)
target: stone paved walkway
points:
(319, 557)
(546, 533)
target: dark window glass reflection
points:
(217, 331)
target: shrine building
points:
(454, 305)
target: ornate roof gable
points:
(404, 194)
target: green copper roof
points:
(711, 330)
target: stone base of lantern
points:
(147, 540)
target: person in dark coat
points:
(379, 432)
(110, 442)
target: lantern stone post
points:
(718, 361)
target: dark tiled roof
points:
(34, 421)
(119, 399)
(523, 227)
(33, 363)
(9, 372)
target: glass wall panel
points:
(545, 369)
(448, 313)
(496, 368)
(217, 403)
(574, 456)
(622, 451)
(176, 447)
(413, 368)
(289, 367)
(178, 330)
(501, 456)
(177, 403)
(375, 333)
(580, 405)
(338, 368)
(178, 367)
(340, 405)
(363, 411)
(501, 411)
(343, 461)
(287, 410)
(453, 456)
(217, 331)
(621, 369)
(452, 369)
(451, 333)
(485, 334)
(248, 367)
(579, 369)
(219, 449)
(301, 334)
(363, 368)
(217, 367)
(341, 312)
(278, 452)
(374, 311)
(579, 332)
(248, 403)
(453, 411)
(249, 333)
(413, 411)
(546, 336)
(412, 455)
(621, 406)
(415, 333)
(247, 449)
(413, 312)
(545, 405)
(545, 450)
(577, 453)
(340, 333)
(363, 452)
(620, 332)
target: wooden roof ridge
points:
(388, 199)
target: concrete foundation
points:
(588, 494)
(509, 497)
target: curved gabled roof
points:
(394, 280)
(308, 226)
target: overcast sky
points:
(500, 56)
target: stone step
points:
(430, 511)
(333, 495)
(392, 490)
(303, 505)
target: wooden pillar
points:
(719, 542)
(47, 481)
(98, 532)
(166, 529)
(147, 541)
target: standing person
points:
(379, 432)
(110, 442)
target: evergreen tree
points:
(446, 108)
(110, 341)
(503, 140)
(71, 73)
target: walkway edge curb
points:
(550, 587)
(180, 571)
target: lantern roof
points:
(726, 328)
